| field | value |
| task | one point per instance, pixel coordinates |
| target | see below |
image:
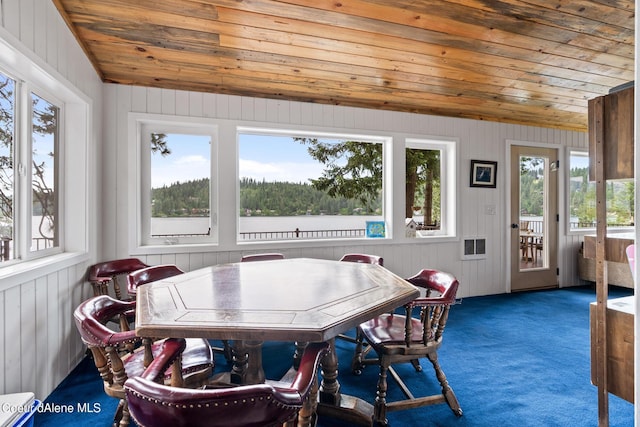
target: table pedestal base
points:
(332, 403)
(350, 409)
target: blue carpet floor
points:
(513, 360)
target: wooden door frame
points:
(507, 206)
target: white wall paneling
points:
(477, 140)
(39, 344)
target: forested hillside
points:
(257, 198)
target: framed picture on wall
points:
(483, 173)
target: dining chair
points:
(104, 273)
(150, 274)
(361, 258)
(268, 256)
(164, 271)
(267, 404)
(119, 355)
(538, 245)
(405, 338)
(262, 257)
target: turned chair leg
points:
(380, 404)
(126, 418)
(447, 391)
(356, 361)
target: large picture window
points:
(290, 185)
(300, 186)
(177, 191)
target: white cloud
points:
(185, 168)
(285, 171)
(196, 167)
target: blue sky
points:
(189, 160)
(580, 161)
(272, 158)
(275, 158)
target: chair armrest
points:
(100, 279)
(431, 301)
(171, 349)
(313, 354)
(92, 314)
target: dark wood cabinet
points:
(611, 155)
(615, 113)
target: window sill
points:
(21, 272)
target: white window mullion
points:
(22, 148)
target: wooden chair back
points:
(150, 274)
(262, 257)
(363, 258)
(104, 273)
(157, 405)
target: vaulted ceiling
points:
(533, 62)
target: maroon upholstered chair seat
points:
(389, 329)
(196, 357)
(119, 354)
(157, 405)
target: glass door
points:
(534, 217)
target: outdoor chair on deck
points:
(104, 273)
(539, 248)
(269, 404)
(119, 355)
(404, 338)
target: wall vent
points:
(474, 248)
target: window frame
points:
(228, 201)
(141, 202)
(448, 184)
(59, 164)
(386, 142)
(74, 156)
(23, 168)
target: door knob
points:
(515, 226)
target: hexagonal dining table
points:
(296, 299)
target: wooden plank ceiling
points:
(533, 62)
